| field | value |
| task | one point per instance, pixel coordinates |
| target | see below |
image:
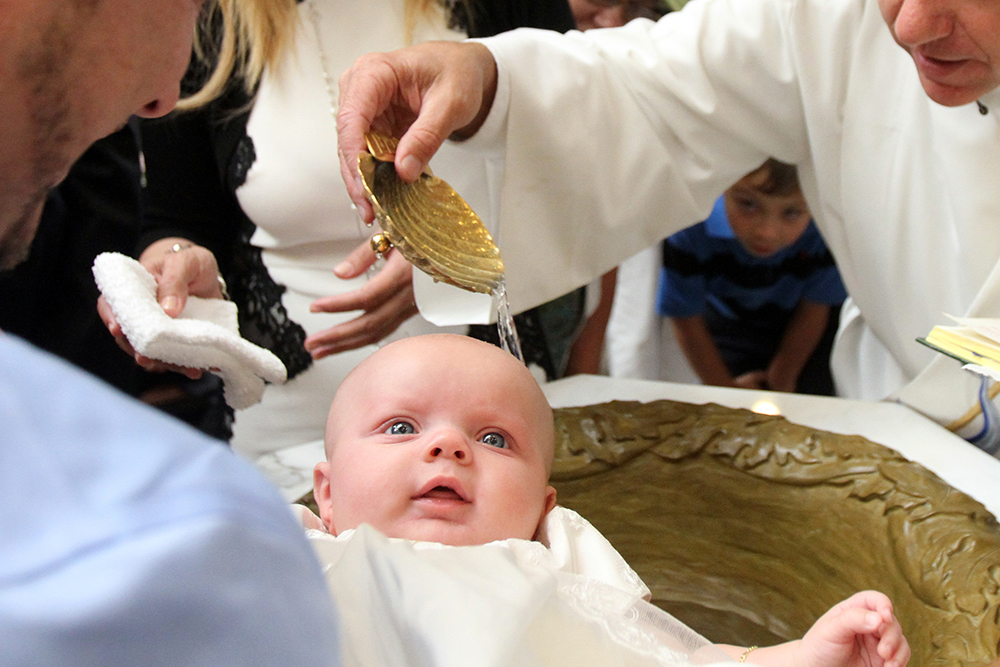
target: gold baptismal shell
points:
(429, 222)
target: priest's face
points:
(71, 72)
(955, 45)
(438, 438)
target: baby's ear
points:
(550, 500)
(550, 503)
(322, 495)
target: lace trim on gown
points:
(263, 319)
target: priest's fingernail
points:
(410, 164)
(169, 303)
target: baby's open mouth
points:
(443, 493)
(444, 488)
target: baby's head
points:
(439, 438)
(766, 209)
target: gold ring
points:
(380, 243)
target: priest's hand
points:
(423, 95)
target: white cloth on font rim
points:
(205, 335)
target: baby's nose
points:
(449, 444)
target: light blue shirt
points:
(127, 538)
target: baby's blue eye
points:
(495, 440)
(401, 428)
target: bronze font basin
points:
(748, 527)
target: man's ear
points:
(322, 495)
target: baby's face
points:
(438, 438)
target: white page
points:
(984, 326)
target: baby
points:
(445, 439)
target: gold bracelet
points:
(743, 658)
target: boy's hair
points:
(782, 178)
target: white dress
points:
(305, 222)
(570, 601)
(616, 138)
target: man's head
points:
(439, 438)
(955, 45)
(71, 72)
(766, 209)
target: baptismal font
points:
(746, 527)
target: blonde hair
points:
(255, 34)
(414, 11)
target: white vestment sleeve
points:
(617, 138)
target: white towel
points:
(205, 335)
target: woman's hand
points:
(386, 299)
(181, 269)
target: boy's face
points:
(765, 224)
(589, 14)
(438, 438)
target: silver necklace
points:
(315, 19)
